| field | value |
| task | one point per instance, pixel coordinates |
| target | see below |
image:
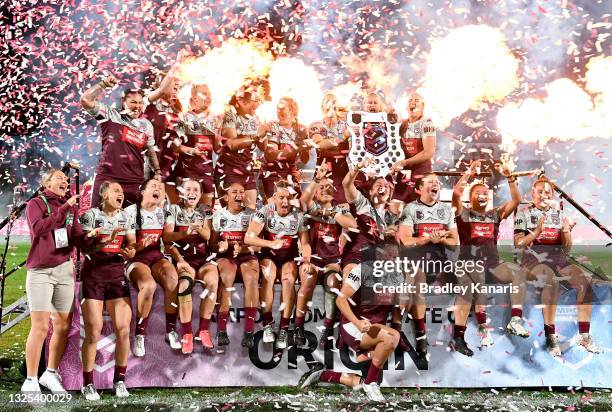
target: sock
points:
(141, 326)
(516, 312)
(284, 323)
(249, 319)
(87, 378)
(186, 327)
(267, 318)
(459, 331)
(204, 324)
(299, 321)
(328, 323)
(373, 374)
(481, 318)
(419, 327)
(549, 329)
(222, 321)
(170, 322)
(584, 327)
(119, 373)
(51, 370)
(330, 376)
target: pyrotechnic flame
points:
(382, 72)
(567, 112)
(291, 77)
(227, 68)
(468, 67)
(346, 95)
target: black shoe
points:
(421, 345)
(311, 377)
(459, 344)
(248, 340)
(299, 337)
(222, 338)
(325, 336)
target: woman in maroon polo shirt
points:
(125, 135)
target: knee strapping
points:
(185, 295)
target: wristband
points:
(511, 179)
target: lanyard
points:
(44, 199)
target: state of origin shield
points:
(373, 135)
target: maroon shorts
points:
(104, 291)
(280, 256)
(321, 262)
(353, 256)
(130, 190)
(237, 261)
(346, 338)
(196, 262)
(404, 190)
(225, 177)
(148, 257)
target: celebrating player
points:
(196, 143)
(124, 136)
(479, 228)
(327, 223)
(242, 132)
(282, 225)
(187, 230)
(430, 225)
(284, 144)
(229, 225)
(418, 140)
(330, 136)
(546, 235)
(108, 243)
(149, 265)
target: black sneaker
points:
(421, 345)
(248, 340)
(311, 377)
(222, 338)
(459, 344)
(325, 336)
(299, 338)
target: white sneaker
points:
(515, 327)
(120, 390)
(52, 381)
(281, 341)
(139, 347)
(268, 335)
(586, 341)
(486, 339)
(30, 386)
(174, 340)
(372, 391)
(90, 393)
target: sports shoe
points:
(187, 343)
(139, 347)
(52, 381)
(299, 337)
(222, 339)
(372, 391)
(206, 339)
(281, 341)
(459, 344)
(486, 340)
(515, 327)
(421, 345)
(268, 335)
(552, 345)
(248, 340)
(90, 393)
(586, 341)
(311, 377)
(174, 340)
(325, 336)
(120, 390)
(30, 386)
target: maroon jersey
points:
(336, 157)
(412, 135)
(285, 139)
(480, 230)
(370, 224)
(124, 141)
(238, 162)
(324, 233)
(164, 122)
(193, 246)
(379, 305)
(197, 131)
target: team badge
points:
(419, 215)
(441, 213)
(222, 222)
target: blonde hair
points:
(48, 175)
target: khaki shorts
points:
(51, 289)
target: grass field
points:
(288, 398)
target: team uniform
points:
(123, 142)
(548, 244)
(481, 232)
(336, 157)
(286, 228)
(325, 235)
(411, 140)
(197, 131)
(282, 167)
(193, 248)
(102, 273)
(232, 229)
(164, 121)
(237, 166)
(371, 229)
(151, 225)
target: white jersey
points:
(232, 227)
(95, 218)
(424, 218)
(181, 218)
(285, 228)
(527, 219)
(151, 224)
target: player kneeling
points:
(109, 239)
(188, 229)
(363, 329)
(229, 226)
